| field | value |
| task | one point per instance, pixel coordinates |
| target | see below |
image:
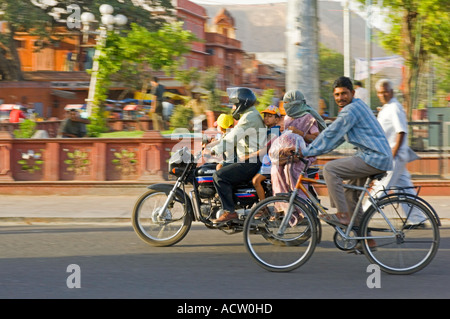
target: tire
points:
(417, 198)
(280, 252)
(412, 246)
(165, 230)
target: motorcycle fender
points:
(166, 188)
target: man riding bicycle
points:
(357, 125)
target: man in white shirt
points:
(361, 92)
(392, 118)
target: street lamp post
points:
(107, 23)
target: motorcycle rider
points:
(248, 136)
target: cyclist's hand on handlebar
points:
(288, 151)
(292, 151)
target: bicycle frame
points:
(346, 235)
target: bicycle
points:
(384, 233)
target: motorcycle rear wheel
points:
(159, 228)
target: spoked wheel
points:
(271, 246)
(160, 227)
(406, 242)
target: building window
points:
(20, 44)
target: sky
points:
(377, 17)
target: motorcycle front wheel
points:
(159, 227)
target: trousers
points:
(229, 175)
(355, 171)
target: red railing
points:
(124, 159)
(84, 159)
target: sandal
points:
(276, 216)
(338, 218)
(296, 218)
(263, 213)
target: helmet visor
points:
(233, 95)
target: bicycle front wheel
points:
(274, 248)
(404, 235)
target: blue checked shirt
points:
(357, 125)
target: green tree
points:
(189, 78)
(181, 117)
(26, 129)
(419, 29)
(146, 51)
(265, 99)
(209, 83)
(331, 67)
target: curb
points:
(64, 220)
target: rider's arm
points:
(398, 122)
(332, 136)
(398, 142)
(308, 137)
(234, 135)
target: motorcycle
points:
(163, 215)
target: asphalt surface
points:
(34, 209)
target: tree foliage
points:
(419, 29)
(141, 49)
(331, 67)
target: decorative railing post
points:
(5, 157)
(99, 161)
(51, 160)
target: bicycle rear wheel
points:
(280, 250)
(407, 239)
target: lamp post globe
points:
(106, 9)
(87, 17)
(108, 19)
(120, 20)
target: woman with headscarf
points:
(305, 121)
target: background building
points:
(55, 73)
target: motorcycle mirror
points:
(205, 139)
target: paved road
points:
(115, 263)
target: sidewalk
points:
(110, 209)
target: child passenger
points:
(224, 123)
(271, 120)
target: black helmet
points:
(242, 98)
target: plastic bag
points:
(287, 140)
